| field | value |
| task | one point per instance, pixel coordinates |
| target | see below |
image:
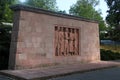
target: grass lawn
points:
(110, 52)
(114, 48)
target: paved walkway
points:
(105, 74)
(5, 78)
(46, 73)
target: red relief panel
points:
(66, 41)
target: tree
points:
(85, 8)
(45, 4)
(5, 11)
(6, 16)
(5, 38)
(63, 12)
(113, 18)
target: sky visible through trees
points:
(65, 5)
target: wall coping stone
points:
(18, 7)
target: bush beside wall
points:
(109, 55)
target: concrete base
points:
(60, 70)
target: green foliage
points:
(60, 11)
(113, 33)
(85, 8)
(6, 15)
(5, 11)
(113, 18)
(109, 55)
(110, 52)
(116, 36)
(113, 48)
(5, 37)
(45, 4)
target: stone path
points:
(105, 74)
(46, 73)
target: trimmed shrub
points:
(109, 55)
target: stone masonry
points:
(33, 38)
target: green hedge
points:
(109, 55)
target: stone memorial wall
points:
(43, 38)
